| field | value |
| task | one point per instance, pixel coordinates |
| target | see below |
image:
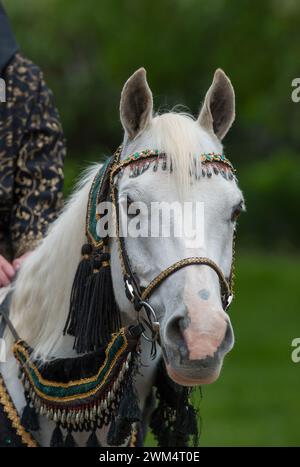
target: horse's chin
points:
(181, 377)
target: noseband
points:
(139, 296)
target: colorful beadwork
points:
(205, 157)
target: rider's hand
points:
(19, 261)
(7, 272)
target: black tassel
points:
(159, 428)
(129, 412)
(101, 314)
(83, 272)
(174, 421)
(119, 431)
(191, 420)
(30, 419)
(129, 407)
(57, 438)
(93, 441)
(70, 441)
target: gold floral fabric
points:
(32, 150)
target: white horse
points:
(195, 331)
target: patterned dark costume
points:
(32, 150)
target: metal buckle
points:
(228, 301)
(129, 290)
(152, 323)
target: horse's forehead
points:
(163, 186)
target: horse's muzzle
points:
(181, 360)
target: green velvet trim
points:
(91, 227)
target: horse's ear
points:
(136, 104)
(218, 111)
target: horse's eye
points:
(237, 211)
(235, 214)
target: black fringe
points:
(57, 440)
(30, 419)
(100, 312)
(119, 431)
(70, 441)
(83, 272)
(174, 421)
(93, 441)
(129, 407)
(129, 412)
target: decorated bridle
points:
(138, 295)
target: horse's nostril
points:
(175, 329)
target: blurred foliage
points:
(88, 49)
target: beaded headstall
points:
(96, 388)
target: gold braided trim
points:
(13, 416)
(232, 272)
(181, 264)
(74, 383)
(133, 439)
(113, 198)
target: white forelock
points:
(181, 138)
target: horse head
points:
(195, 329)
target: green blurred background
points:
(87, 49)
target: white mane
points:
(42, 292)
(41, 301)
